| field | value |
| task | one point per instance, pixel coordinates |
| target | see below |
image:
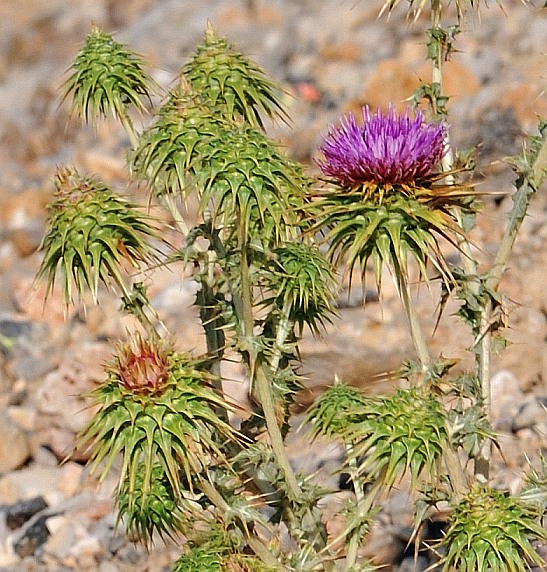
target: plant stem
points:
(364, 504)
(212, 325)
(283, 330)
(416, 332)
(355, 541)
(265, 395)
(521, 199)
(530, 184)
(483, 351)
(261, 384)
(253, 541)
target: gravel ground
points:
(331, 57)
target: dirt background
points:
(330, 56)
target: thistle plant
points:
(271, 240)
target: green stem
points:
(484, 352)
(134, 302)
(416, 332)
(261, 384)
(257, 546)
(264, 394)
(212, 325)
(521, 200)
(362, 508)
(284, 327)
(470, 268)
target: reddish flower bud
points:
(143, 367)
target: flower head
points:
(143, 368)
(387, 149)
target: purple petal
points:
(385, 149)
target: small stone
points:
(531, 414)
(70, 481)
(401, 80)
(20, 512)
(23, 215)
(63, 536)
(411, 564)
(505, 396)
(108, 567)
(33, 537)
(8, 491)
(14, 445)
(130, 553)
(30, 299)
(33, 481)
(25, 417)
(459, 80)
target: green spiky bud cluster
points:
(359, 230)
(305, 284)
(491, 531)
(217, 550)
(106, 78)
(231, 82)
(156, 406)
(244, 173)
(171, 148)
(150, 508)
(207, 558)
(91, 234)
(334, 411)
(200, 559)
(404, 432)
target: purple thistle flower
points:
(386, 149)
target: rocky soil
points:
(331, 57)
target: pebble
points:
(532, 414)
(17, 514)
(14, 445)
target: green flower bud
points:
(106, 78)
(156, 406)
(231, 83)
(491, 531)
(91, 234)
(143, 368)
